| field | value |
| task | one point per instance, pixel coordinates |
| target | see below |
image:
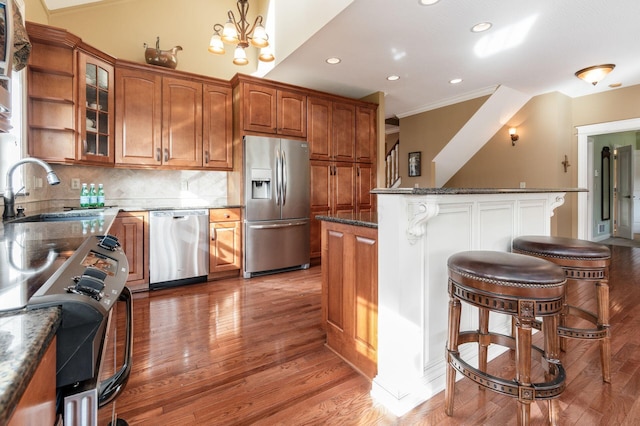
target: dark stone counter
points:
(24, 338)
(458, 191)
(366, 219)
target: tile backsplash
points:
(129, 187)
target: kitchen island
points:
(350, 287)
(418, 229)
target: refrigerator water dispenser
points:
(260, 183)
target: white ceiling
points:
(534, 47)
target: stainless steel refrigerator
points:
(276, 198)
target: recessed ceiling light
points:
(455, 80)
(333, 61)
(393, 78)
(427, 2)
(482, 26)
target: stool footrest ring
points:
(544, 390)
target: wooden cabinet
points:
(132, 230)
(70, 114)
(273, 110)
(365, 182)
(342, 147)
(37, 406)
(350, 293)
(333, 191)
(138, 117)
(225, 253)
(365, 134)
(331, 130)
(51, 96)
(217, 127)
(96, 110)
(181, 122)
(171, 121)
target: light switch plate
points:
(75, 183)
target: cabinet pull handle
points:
(358, 170)
(166, 155)
(213, 234)
(158, 154)
(206, 157)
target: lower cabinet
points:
(350, 293)
(225, 253)
(37, 406)
(132, 230)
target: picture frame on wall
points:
(415, 166)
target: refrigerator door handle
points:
(279, 225)
(283, 171)
(277, 176)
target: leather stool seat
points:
(525, 288)
(582, 261)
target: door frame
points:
(585, 155)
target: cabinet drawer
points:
(224, 215)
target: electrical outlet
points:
(37, 182)
(75, 183)
(523, 184)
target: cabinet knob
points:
(227, 216)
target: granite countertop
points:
(24, 338)
(366, 219)
(458, 191)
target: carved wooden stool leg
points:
(563, 322)
(551, 353)
(484, 340)
(523, 369)
(603, 321)
(452, 346)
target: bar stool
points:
(582, 261)
(525, 288)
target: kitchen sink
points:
(63, 216)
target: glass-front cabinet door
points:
(96, 109)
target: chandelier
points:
(241, 34)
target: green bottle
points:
(100, 195)
(84, 196)
(93, 196)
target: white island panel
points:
(417, 234)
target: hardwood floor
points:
(240, 352)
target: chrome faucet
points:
(9, 196)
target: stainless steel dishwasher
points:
(179, 247)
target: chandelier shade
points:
(595, 73)
(238, 32)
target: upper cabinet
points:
(166, 119)
(271, 109)
(365, 134)
(341, 130)
(217, 127)
(96, 112)
(70, 114)
(138, 117)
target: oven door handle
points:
(109, 389)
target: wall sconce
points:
(513, 132)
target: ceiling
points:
(533, 46)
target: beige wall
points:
(428, 133)
(121, 27)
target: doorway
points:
(585, 158)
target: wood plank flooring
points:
(251, 352)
